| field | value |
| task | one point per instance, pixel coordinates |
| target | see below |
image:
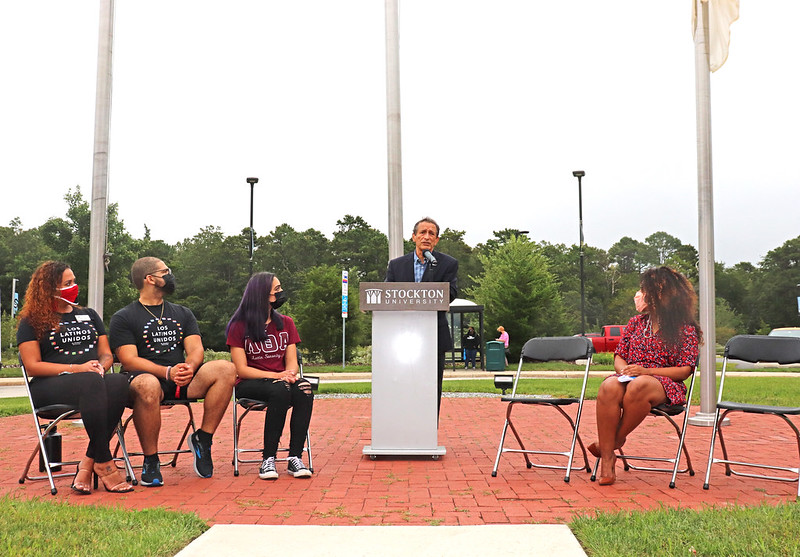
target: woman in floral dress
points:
(657, 353)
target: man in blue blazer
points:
(418, 266)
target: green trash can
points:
(495, 356)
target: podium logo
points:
(374, 295)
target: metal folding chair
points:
(754, 348)
(253, 405)
(544, 350)
(46, 420)
(668, 411)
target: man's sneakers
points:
(267, 470)
(297, 468)
(201, 450)
(151, 473)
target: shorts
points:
(170, 389)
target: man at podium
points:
(426, 265)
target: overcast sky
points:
(501, 101)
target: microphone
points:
(430, 258)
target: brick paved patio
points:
(349, 488)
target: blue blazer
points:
(401, 269)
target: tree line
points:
(531, 288)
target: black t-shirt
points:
(73, 342)
(161, 343)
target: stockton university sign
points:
(404, 296)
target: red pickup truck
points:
(607, 340)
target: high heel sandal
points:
(83, 488)
(112, 480)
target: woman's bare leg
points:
(610, 398)
(641, 395)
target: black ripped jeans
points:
(280, 396)
(101, 400)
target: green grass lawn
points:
(763, 530)
(38, 528)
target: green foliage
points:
(318, 314)
(603, 359)
(360, 248)
(452, 243)
(729, 323)
(518, 291)
(776, 285)
(289, 253)
(50, 528)
(212, 270)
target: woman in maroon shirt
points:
(657, 353)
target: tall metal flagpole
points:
(102, 117)
(705, 199)
(395, 163)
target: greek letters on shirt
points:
(272, 347)
(73, 338)
(159, 339)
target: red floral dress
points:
(639, 345)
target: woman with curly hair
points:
(65, 349)
(657, 353)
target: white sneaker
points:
(267, 469)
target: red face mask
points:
(69, 294)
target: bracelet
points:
(168, 369)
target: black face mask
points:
(280, 299)
(169, 284)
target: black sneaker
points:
(297, 468)
(203, 466)
(151, 474)
(267, 470)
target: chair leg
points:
(189, 426)
(129, 472)
(308, 451)
(711, 448)
(500, 449)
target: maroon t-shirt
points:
(267, 354)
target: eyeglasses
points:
(163, 272)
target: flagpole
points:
(705, 214)
(395, 163)
(98, 230)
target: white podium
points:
(404, 375)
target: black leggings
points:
(280, 396)
(100, 399)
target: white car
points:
(785, 332)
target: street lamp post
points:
(580, 174)
(252, 182)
